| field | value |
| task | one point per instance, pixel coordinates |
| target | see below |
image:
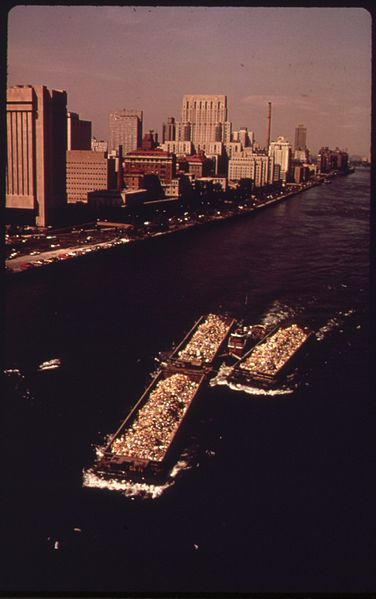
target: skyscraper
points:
(206, 116)
(168, 130)
(300, 138)
(125, 127)
(36, 151)
(280, 150)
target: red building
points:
(151, 162)
(133, 179)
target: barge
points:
(265, 364)
(144, 445)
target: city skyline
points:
(110, 58)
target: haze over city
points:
(313, 64)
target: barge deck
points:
(269, 359)
(143, 445)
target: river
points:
(272, 492)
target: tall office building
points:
(300, 138)
(280, 150)
(125, 127)
(78, 132)
(36, 151)
(168, 130)
(205, 117)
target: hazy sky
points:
(313, 64)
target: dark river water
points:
(273, 492)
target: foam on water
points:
(13, 371)
(49, 364)
(333, 323)
(128, 488)
(278, 313)
(180, 466)
(221, 379)
(259, 391)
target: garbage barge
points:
(272, 357)
(144, 446)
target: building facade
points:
(301, 155)
(243, 136)
(177, 147)
(280, 151)
(331, 160)
(149, 141)
(36, 151)
(99, 145)
(169, 130)
(88, 171)
(233, 149)
(259, 168)
(125, 129)
(153, 162)
(300, 138)
(78, 133)
(204, 120)
(174, 188)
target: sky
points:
(313, 64)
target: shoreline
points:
(28, 262)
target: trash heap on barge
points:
(143, 445)
(269, 359)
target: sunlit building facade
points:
(125, 129)
(88, 171)
(280, 151)
(204, 120)
(36, 152)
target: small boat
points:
(243, 338)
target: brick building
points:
(153, 162)
(88, 171)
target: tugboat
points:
(243, 338)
